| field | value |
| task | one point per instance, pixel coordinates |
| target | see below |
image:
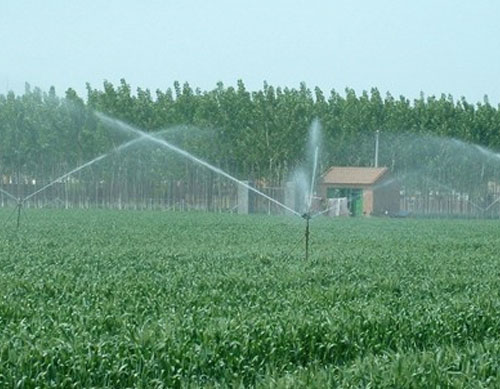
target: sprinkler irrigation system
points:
(307, 216)
(141, 135)
(314, 140)
(20, 201)
(128, 128)
(305, 176)
(18, 208)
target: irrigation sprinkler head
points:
(306, 216)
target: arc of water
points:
(313, 179)
(434, 182)
(8, 194)
(187, 155)
(492, 204)
(87, 164)
(323, 212)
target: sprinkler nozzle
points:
(306, 216)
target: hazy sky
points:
(400, 46)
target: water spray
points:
(11, 196)
(307, 216)
(20, 201)
(313, 179)
(191, 157)
(77, 169)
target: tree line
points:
(253, 134)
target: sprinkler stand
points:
(19, 207)
(307, 217)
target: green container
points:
(354, 198)
(357, 204)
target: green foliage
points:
(260, 134)
(148, 299)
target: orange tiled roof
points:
(353, 175)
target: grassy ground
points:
(157, 299)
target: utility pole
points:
(377, 133)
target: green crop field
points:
(163, 299)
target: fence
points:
(450, 205)
(209, 193)
(212, 193)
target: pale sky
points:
(404, 47)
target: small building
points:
(369, 190)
